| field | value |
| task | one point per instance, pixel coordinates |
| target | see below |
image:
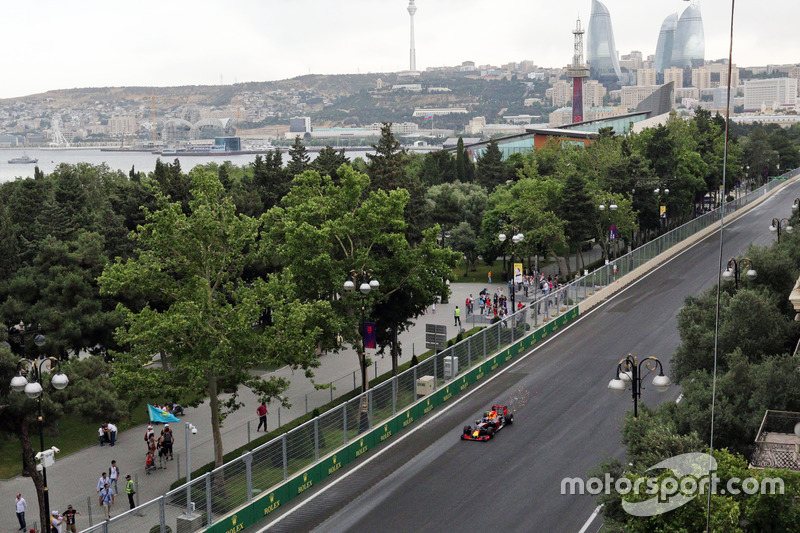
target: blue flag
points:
(157, 415)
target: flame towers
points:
(602, 53)
(681, 42)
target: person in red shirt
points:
(262, 417)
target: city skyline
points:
(202, 43)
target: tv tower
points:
(577, 71)
(411, 10)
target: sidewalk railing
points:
(237, 483)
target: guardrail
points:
(245, 490)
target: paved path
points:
(73, 478)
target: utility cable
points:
(719, 268)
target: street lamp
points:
(515, 239)
(364, 288)
(778, 224)
(630, 372)
(611, 207)
(733, 268)
(29, 381)
(445, 235)
(795, 205)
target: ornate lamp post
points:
(778, 225)
(630, 373)
(607, 222)
(364, 288)
(732, 270)
(29, 381)
(516, 239)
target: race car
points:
(492, 422)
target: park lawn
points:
(74, 434)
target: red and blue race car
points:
(492, 422)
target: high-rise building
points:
(593, 94)
(689, 46)
(632, 96)
(645, 76)
(560, 93)
(701, 78)
(674, 74)
(774, 93)
(602, 53)
(300, 124)
(412, 9)
(666, 39)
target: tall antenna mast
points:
(412, 9)
(577, 71)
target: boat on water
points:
(22, 160)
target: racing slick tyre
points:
(490, 432)
(510, 419)
(467, 430)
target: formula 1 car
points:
(492, 422)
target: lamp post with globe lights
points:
(607, 210)
(733, 269)
(779, 225)
(631, 372)
(30, 381)
(364, 288)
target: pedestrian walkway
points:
(72, 479)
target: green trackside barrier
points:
(359, 446)
(268, 503)
(236, 522)
(302, 482)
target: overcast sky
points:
(61, 44)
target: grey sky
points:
(64, 44)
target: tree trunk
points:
(164, 362)
(215, 427)
(362, 360)
(395, 351)
(29, 469)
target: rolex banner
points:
(369, 335)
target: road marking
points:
(591, 519)
(471, 391)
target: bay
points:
(141, 161)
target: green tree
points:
(329, 160)
(90, 395)
(193, 262)
(386, 167)
(461, 170)
(492, 171)
(298, 159)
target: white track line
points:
(472, 390)
(586, 525)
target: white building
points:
(774, 93)
(632, 96)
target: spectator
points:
(102, 482)
(168, 437)
(101, 435)
(262, 417)
(490, 277)
(106, 500)
(457, 316)
(148, 435)
(149, 463)
(112, 432)
(113, 475)
(69, 516)
(56, 522)
(177, 409)
(20, 505)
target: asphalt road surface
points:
(430, 480)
